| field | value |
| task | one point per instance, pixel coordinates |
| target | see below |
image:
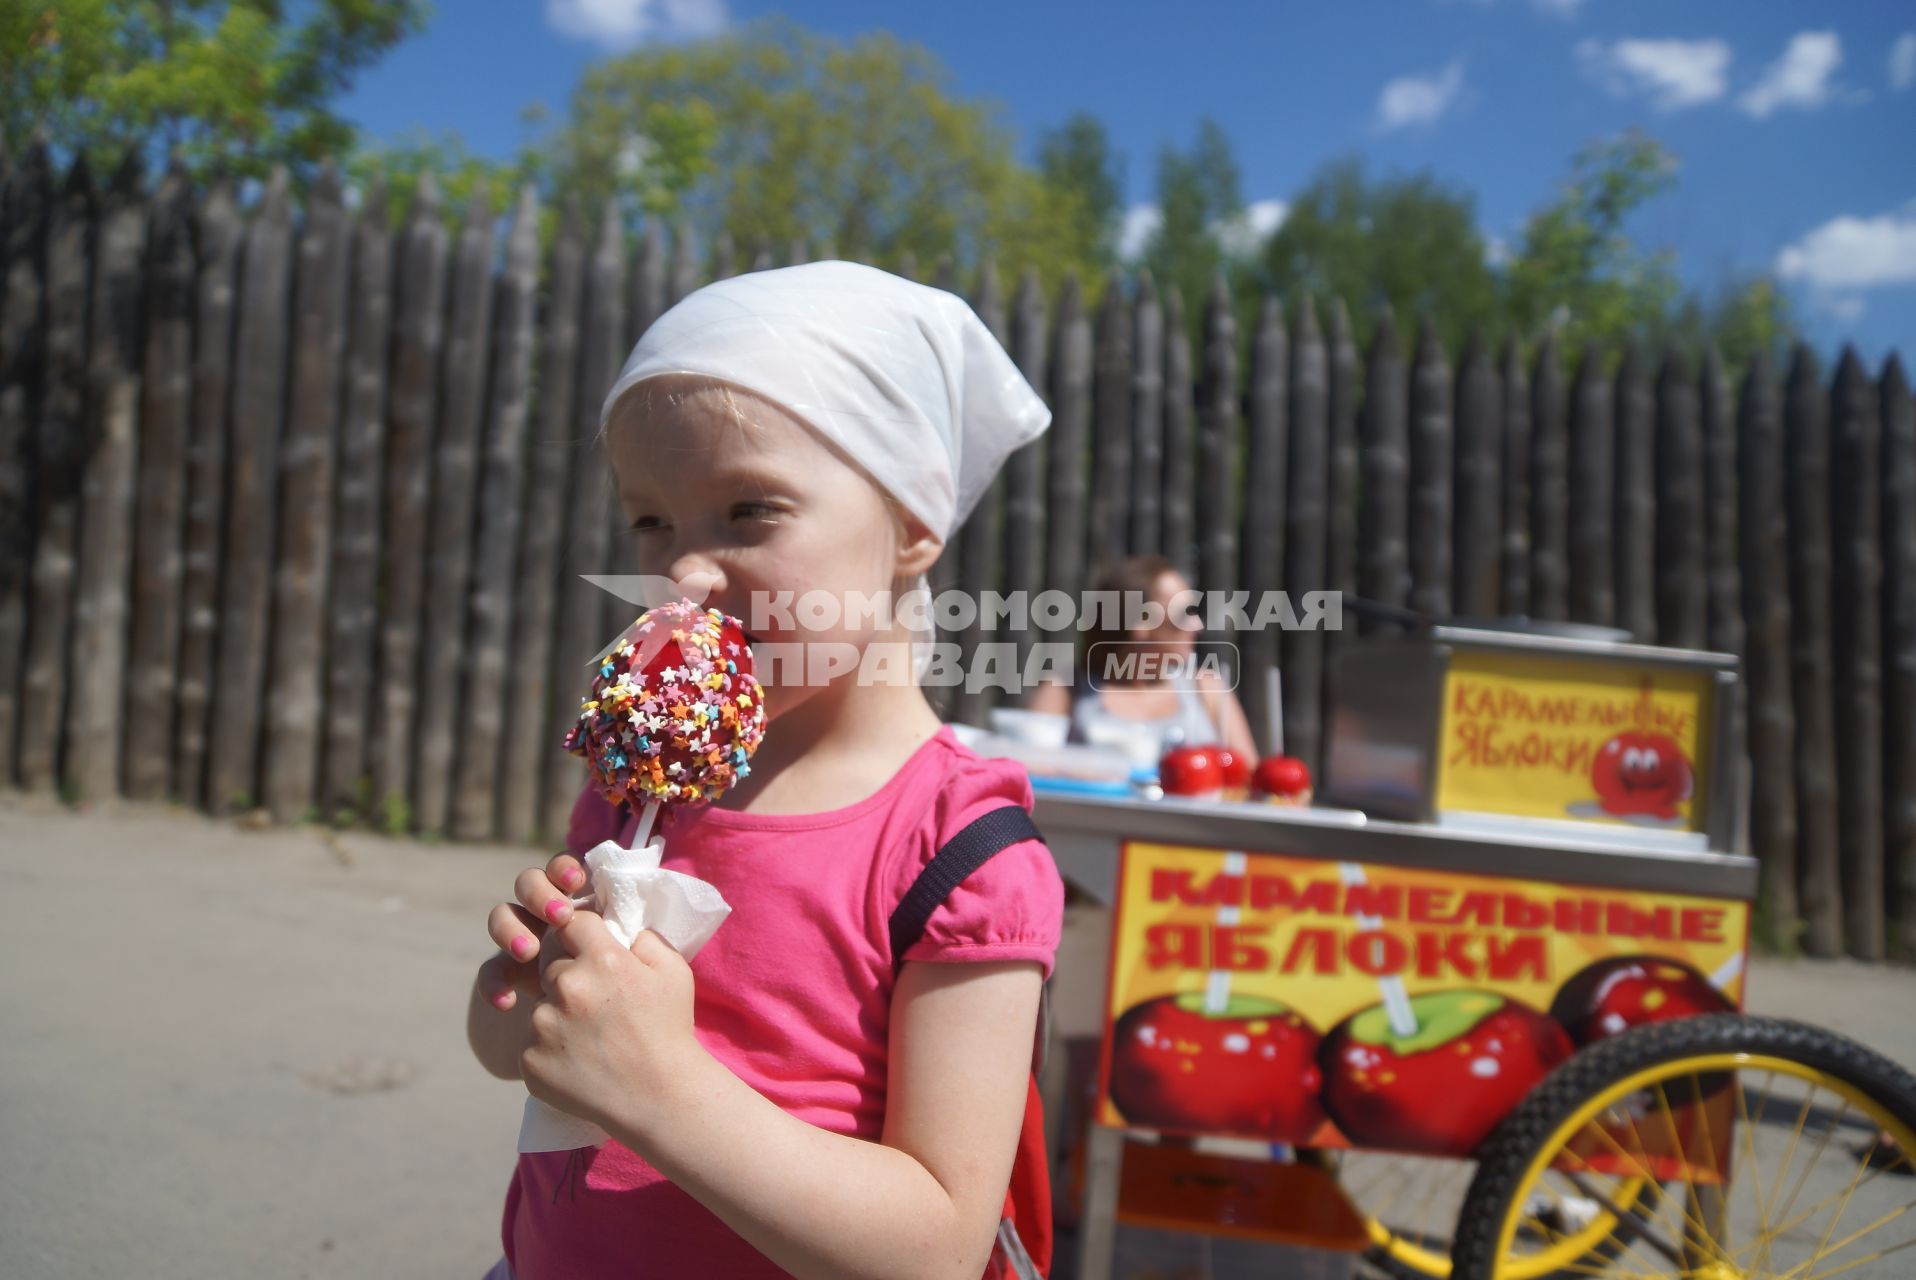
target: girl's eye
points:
(752, 510)
(647, 524)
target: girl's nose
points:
(698, 575)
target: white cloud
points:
(1902, 62)
(1141, 222)
(1674, 73)
(1410, 100)
(1800, 78)
(1250, 229)
(1855, 253)
(1847, 307)
(628, 22)
(1496, 251)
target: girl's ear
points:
(918, 546)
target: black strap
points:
(961, 855)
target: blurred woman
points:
(1134, 690)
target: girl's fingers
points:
(536, 892)
(497, 982)
(515, 930)
(567, 872)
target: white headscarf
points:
(903, 377)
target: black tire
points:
(1508, 1152)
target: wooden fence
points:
(262, 471)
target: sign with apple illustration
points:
(1332, 1004)
(1551, 736)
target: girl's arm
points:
(925, 1201)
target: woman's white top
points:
(1144, 742)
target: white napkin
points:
(633, 892)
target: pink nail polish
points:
(521, 948)
(557, 910)
(502, 1000)
(574, 878)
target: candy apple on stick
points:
(675, 712)
(673, 717)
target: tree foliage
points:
(1411, 242)
(234, 83)
(773, 134)
(1199, 199)
(1078, 164)
(1575, 269)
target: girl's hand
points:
(517, 928)
(615, 1025)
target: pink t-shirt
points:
(793, 992)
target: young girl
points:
(789, 1107)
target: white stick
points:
(645, 824)
(1217, 984)
(1403, 1019)
(1274, 709)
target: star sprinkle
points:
(670, 717)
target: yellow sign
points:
(1323, 1004)
(1545, 737)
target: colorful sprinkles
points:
(675, 712)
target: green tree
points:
(773, 133)
(1411, 242)
(1575, 269)
(1198, 195)
(1078, 165)
(458, 171)
(235, 83)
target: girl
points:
(1144, 718)
(791, 1108)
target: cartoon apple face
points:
(1191, 771)
(1641, 773)
(1282, 778)
(1611, 996)
(1440, 1091)
(1249, 1069)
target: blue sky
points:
(1794, 124)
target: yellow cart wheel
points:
(1756, 1150)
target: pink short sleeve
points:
(1012, 907)
(594, 819)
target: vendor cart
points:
(1475, 1011)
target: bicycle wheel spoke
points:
(1826, 1249)
(1878, 1256)
(1679, 1149)
(1789, 1159)
(1627, 1226)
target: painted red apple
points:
(1441, 1090)
(1642, 773)
(1250, 1069)
(1191, 771)
(1611, 996)
(1282, 779)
